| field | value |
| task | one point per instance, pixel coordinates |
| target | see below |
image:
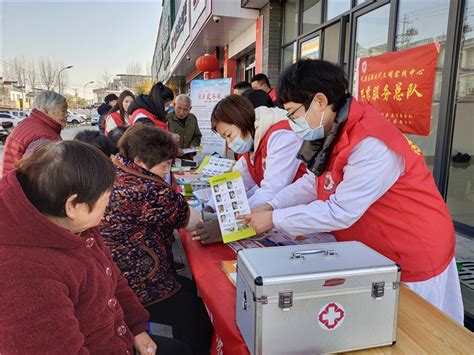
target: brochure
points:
(214, 166)
(230, 199)
(277, 237)
(230, 269)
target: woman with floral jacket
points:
(138, 228)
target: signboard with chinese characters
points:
(400, 86)
(180, 32)
(204, 95)
(310, 48)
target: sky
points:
(93, 36)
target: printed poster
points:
(230, 199)
(204, 95)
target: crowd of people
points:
(87, 225)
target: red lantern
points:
(207, 63)
(213, 75)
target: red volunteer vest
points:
(117, 119)
(257, 169)
(36, 126)
(158, 123)
(410, 224)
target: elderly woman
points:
(61, 291)
(45, 122)
(138, 228)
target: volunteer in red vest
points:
(370, 184)
(152, 106)
(118, 114)
(267, 148)
(47, 119)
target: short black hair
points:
(110, 97)
(261, 78)
(57, 170)
(305, 78)
(243, 85)
(117, 133)
(103, 143)
(258, 98)
(150, 145)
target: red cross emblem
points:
(331, 316)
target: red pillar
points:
(230, 66)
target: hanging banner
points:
(400, 86)
(204, 95)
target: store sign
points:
(197, 8)
(400, 86)
(310, 48)
(180, 32)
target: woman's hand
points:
(144, 345)
(176, 137)
(261, 222)
(208, 232)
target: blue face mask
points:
(302, 129)
(239, 146)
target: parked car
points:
(75, 119)
(5, 116)
(95, 119)
(17, 113)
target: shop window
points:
(372, 33)
(337, 7)
(289, 55)
(419, 24)
(460, 196)
(291, 21)
(331, 43)
(312, 13)
(310, 48)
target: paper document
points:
(213, 166)
(228, 194)
(192, 150)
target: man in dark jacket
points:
(109, 101)
(182, 122)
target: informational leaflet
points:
(192, 150)
(214, 166)
(277, 237)
(228, 194)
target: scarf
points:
(315, 154)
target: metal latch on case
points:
(378, 289)
(285, 300)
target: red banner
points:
(400, 86)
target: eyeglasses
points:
(290, 115)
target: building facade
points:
(251, 36)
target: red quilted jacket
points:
(60, 292)
(38, 125)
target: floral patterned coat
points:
(138, 229)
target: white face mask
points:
(303, 130)
(239, 146)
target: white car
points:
(6, 116)
(75, 119)
(95, 119)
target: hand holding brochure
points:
(230, 199)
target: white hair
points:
(185, 98)
(48, 101)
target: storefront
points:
(342, 31)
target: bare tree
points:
(106, 78)
(148, 66)
(31, 74)
(48, 73)
(134, 68)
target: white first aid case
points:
(313, 299)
